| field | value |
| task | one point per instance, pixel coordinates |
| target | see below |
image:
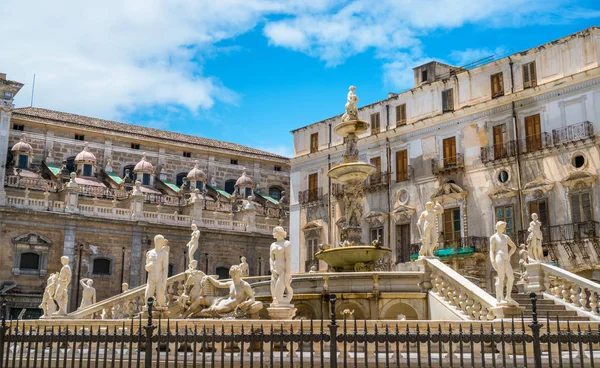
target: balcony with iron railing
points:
(571, 232)
(573, 133)
(498, 152)
(536, 143)
(447, 164)
(405, 175)
(310, 195)
(379, 180)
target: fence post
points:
(535, 332)
(149, 329)
(2, 333)
(332, 333)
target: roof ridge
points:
(72, 118)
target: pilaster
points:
(136, 258)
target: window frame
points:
(94, 268)
(401, 175)
(30, 269)
(504, 217)
(401, 115)
(18, 127)
(454, 220)
(378, 231)
(529, 75)
(375, 123)
(23, 161)
(232, 182)
(448, 100)
(314, 142)
(79, 137)
(87, 167)
(500, 84)
(187, 154)
(135, 146)
(275, 188)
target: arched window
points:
(230, 186)
(179, 179)
(29, 261)
(171, 271)
(275, 193)
(222, 272)
(101, 266)
(130, 168)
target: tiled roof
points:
(66, 118)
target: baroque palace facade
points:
(497, 141)
(98, 191)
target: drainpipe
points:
(518, 151)
(387, 110)
(388, 152)
(330, 218)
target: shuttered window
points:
(452, 226)
(377, 233)
(314, 142)
(497, 82)
(401, 165)
(313, 187)
(449, 145)
(533, 133)
(499, 148)
(375, 123)
(529, 75)
(581, 207)
(401, 115)
(447, 100)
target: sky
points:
(250, 71)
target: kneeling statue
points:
(239, 303)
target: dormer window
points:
(146, 179)
(87, 170)
(23, 161)
(199, 185)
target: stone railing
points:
(574, 292)
(456, 291)
(16, 181)
(127, 304)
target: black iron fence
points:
(510, 343)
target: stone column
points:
(136, 259)
(69, 251)
(72, 195)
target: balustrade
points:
(573, 133)
(498, 152)
(537, 142)
(448, 163)
(16, 181)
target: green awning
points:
(220, 191)
(171, 186)
(114, 177)
(270, 199)
(53, 169)
(450, 252)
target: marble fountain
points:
(351, 254)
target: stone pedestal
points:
(507, 310)
(137, 206)
(281, 311)
(535, 278)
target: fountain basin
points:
(355, 258)
(345, 128)
(351, 172)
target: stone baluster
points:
(476, 310)
(583, 299)
(469, 307)
(95, 205)
(196, 204)
(137, 202)
(462, 302)
(46, 200)
(566, 291)
(114, 206)
(574, 290)
(448, 296)
(593, 302)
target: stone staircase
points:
(547, 308)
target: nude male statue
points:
(192, 245)
(48, 305)
(62, 287)
(240, 295)
(244, 267)
(157, 266)
(88, 297)
(427, 228)
(500, 256)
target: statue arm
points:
(82, 282)
(249, 292)
(165, 264)
(513, 246)
(217, 283)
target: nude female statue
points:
(535, 238)
(280, 265)
(500, 256)
(88, 297)
(427, 228)
(48, 305)
(351, 110)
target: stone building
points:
(98, 191)
(495, 141)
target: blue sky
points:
(250, 71)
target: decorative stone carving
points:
(501, 191)
(192, 245)
(535, 239)
(427, 225)
(579, 180)
(88, 297)
(280, 266)
(500, 257)
(61, 296)
(48, 304)
(351, 110)
(447, 191)
(312, 230)
(157, 266)
(402, 213)
(538, 185)
(244, 267)
(375, 218)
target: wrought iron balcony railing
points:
(498, 152)
(448, 163)
(310, 195)
(565, 232)
(405, 175)
(534, 143)
(573, 133)
(378, 180)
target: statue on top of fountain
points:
(351, 110)
(427, 225)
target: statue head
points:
(243, 259)
(428, 205)
(64, 260)
(500, 226)
(194, 227)
(193, 264)
(279, 233)
(235, 271)
(523, 246)
(90, 282)
(352, 89)
(124, 287)
(534, 216)
(159, 241)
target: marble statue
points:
(250, 206)
(127, 177)
(283, 202)
(61, 296)
(501, 249)
(244, 267)
(192, 245)
(194, 294)
(535, 238)
(313, 269)
(427, 225)
(124, 287)
(157, 266)
(48, 304)
(280, 266)
(88, 297)
(137, 189)
(353, 210)
(351, 110)
(523, 260)
(238, 303)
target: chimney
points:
(391, 94)
(3, 76)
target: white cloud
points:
(282, 149)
